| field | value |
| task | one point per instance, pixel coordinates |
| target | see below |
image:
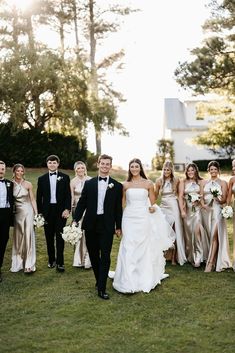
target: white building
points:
(181, 125)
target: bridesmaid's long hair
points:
(142, 173)
(168, 164)
(195, 167)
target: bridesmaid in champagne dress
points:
(197, 245)
(167, 187)
(81, 257)
(24, 249)
(231, 194)
(214, 223)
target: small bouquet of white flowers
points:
(39, 220)
(227, 212)
(72, 234)
(193, 197)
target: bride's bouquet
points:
(39, 220)
(227, 212)
(72, 234)
(192, 198)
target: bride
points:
(146, 234)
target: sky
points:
(155, 40)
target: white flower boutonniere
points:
(110, 186)
(8, 185)
(59, 178)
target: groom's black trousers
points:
(5, 216)
(99, 244)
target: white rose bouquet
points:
(72, 234)
(227, 212)
(39, 220)
(193, 197)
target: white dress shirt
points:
(102, 187)
(3, 196)
(53, 182)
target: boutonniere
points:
(110, 186)
(59, 178)
(8, 184)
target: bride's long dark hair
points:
(142, 173)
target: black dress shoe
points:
(51, 265)
(60, 268)
(103, 295)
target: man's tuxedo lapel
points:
(95, 188)
(108, 191)
(47, 183)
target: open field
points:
(50, 312)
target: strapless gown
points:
(141, 261)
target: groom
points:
(102, 200)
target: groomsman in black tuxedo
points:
(101, 200)
(54, 203)
(6, 211)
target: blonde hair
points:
(168, 164)
(76, 164)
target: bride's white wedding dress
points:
(141, 261)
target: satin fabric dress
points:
(197, 248)
(81, 257)
(24, 248)
(170, 207)
(213, 219)
(141, 261)
(233, 191)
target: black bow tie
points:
(101, 178)
(2, 180)
(53, 173)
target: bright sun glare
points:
(21, 4)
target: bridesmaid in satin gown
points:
(167, 188)
(231, 195)
(81, 257)
(213, 222)
(196, 242)
(24, 249)
(146, 234)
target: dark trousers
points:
(99, 244)
(5, 217)
(53, 229)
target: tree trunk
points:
(93, 79)
(75, 20)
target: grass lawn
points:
(190, 312)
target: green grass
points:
(190, 312)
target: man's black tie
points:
(53, 173)
(101, 178)
(2, 180)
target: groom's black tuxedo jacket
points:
(63, 193)
(112, 205)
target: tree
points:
(220, 137)
(165, 150)
(213, 66)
